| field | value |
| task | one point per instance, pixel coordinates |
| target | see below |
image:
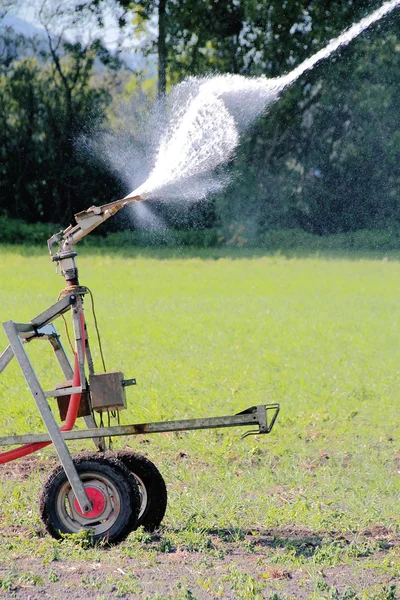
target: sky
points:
(28, 12)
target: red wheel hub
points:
(97, 500)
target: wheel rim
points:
(97, 499)
(143, 495)
(105, 500)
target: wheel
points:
(153, 493)
(112, 490)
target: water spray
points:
(110, 494)
(209, 113)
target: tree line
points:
(323, 159)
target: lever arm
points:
(86, 221)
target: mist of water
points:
(208, 114)
(145, 218)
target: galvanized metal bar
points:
(88, 353)
(90, 422)
(27, 329)
(78, 333)
(63, 392)
(61, 356)
(241, 420)
(262, 419)
(51, 425)
(98, 441)
(54, 311)
(6, 357)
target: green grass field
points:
(208, 337)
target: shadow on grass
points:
(300, 542)
(303, 542)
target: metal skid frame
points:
(41, 327)
(19, 334)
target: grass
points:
(208, 337)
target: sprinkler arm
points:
(86, 221)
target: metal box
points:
(63, 401)
(107, 391)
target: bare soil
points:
(227, 569)
(183, 574)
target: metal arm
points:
(86, 221)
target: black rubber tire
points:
(120, 487)
(152, 509)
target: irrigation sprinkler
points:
(112, 493)
(107, 493)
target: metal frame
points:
(257, 415)
(12, 331)
(41, 327)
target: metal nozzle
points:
(134, 198)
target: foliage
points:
(13, 231)
(350, 176)
(47, 102)
(323, 159)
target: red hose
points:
(75, 399)
(70, 418)
(6, 457)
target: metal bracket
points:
(63, 392)
(249, 417)
(126, 382)
(262, 418)
(55, 435)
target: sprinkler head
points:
(135, 197)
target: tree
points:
(46, 105)
(313, 160)
(184, 30)
(353, 141)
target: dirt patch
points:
(227, 569)
(184, 575)
(21, 469)
(272, 564)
